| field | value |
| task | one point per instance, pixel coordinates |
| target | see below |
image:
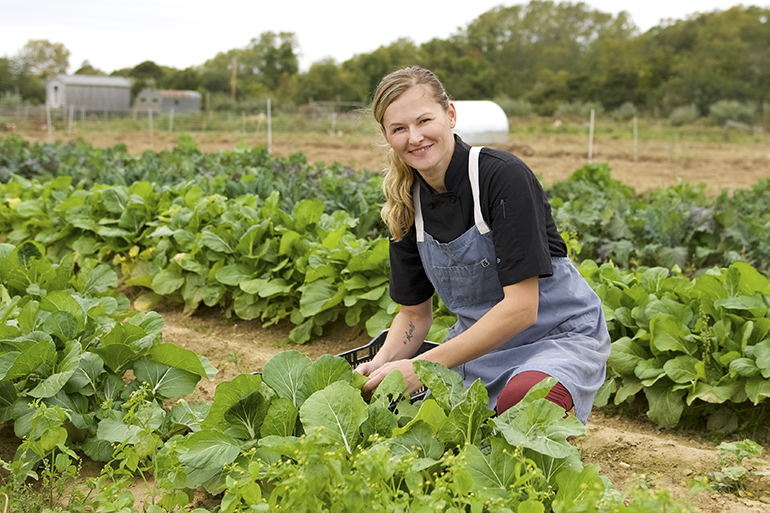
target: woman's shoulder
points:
(499, 164)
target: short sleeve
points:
(519, 215)
(409, 285)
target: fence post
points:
(149, 115)
(269, 129)
(636, 143)
(48, 121)
(171, 120)
(71, 116)
(591, 138)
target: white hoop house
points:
(481, 122)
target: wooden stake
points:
(591, 138)
(269, 129)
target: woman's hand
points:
(377, 375)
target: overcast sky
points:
(181, 33)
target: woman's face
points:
(420, 131)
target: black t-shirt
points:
(514, 206)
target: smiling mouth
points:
(420, 151)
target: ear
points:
(452, 113)
(384, 133)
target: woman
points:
(474, 225)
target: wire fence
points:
(320, 117)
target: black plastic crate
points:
(366, 353)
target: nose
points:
(415, 136)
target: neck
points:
(436, 183)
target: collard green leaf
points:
(165, 381)
(757, 389)
(245, 417)
(419, 441)
(465, 419)
(318, 296)
(62, 324)
(209, 450)
(53, 383)
(184, 359)
(762, 357)
(38, 354)
(233, 275)
(285, 373)
(494, 470)
(681, 369)
(227, 395)
(86, 377)
(115, 431)
(430, 413)
(717, 394)
(323, 372)
(281, 419)
(218, 240)
(190, 415)
(540, 426)
(337, 411)
(666, 404)
(446, 386)
(167, 281)
(118, 357)
(668, 334)
(98, 281)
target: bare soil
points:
(553, 157)
(629, 450)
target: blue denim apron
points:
(569, 341)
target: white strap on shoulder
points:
(473, 175)
(419, 225)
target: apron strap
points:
(419, 225)
(473, 175)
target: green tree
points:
(325, 81)
(88, 69)
(41, 57)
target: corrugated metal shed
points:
(87, 93)
(481, 122)
(164, 100)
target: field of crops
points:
(139, 294)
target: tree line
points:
(537, 57)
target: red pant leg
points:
(521, 383)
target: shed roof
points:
(87, 80)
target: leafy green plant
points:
(694, 348)
(733, 474)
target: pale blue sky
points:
(180, 33)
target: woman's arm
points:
(515, 313)
(405, 336)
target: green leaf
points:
(681, 369)
(494, 470)
(285, 373)
(446, 385)
(465, 420)
(227, 394)
(234, 274)
(209, 450)
(115, 431)
(668, 334)
(762, 357)
(281, 418)
(337, 411)
(39, 354)
(98, 281)
(318, 296)
(85, 379)
(666, 405)
(219, 240)
(323, 372)
(625, 355)
(245, 417)
(165, 381)
(184, 359)
(540, 425)
(166, 282)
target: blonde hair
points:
(398, 211)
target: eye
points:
(398, 129)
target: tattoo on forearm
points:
(409, 334)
